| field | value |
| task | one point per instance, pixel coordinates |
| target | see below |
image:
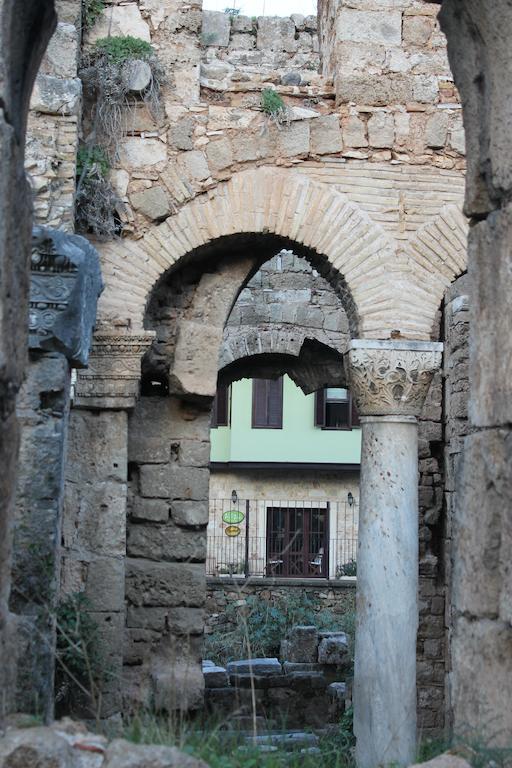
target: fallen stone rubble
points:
(68, 744)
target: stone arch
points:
(266, 200)
(436, 256)
(286, 203)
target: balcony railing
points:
(282, 538)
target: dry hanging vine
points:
(108, 72)
(118, 72)
(96, 201)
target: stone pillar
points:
(479, 33)
(390, 381)
(94, 528)
(25, 29)
(64, 287)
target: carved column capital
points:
(113, 376)
(391, 378)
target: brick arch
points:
(286, 203)
(436, 256)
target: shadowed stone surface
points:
(64, 290)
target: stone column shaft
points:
(390, 381)
(387, 598)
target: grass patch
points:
(221, 748)
(91, 12)
(118, 50)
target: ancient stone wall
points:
(456, 427)
(392, 81)
(54, 123)
(238, 49)
(65, 283)
(351, 190)
(24, 33)
(285, 306)
(481, 641)
(43, 411)
(336, 596)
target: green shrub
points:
(347, 569)
(260, 625)
(119, 49)
(91, 159)
(91, 12)
(272, 102)
(78, 664)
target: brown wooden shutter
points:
(354, 414)
(259, 402)
(267, 403)
(320, 408)
(275, 403)
(220, 414)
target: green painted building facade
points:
(299, 441)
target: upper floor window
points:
(220, 411)
(335, 409)
(267, 403)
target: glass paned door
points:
(297, 542)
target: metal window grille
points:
(282, 538)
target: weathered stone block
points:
(354, 132)
(307, 681)
(178, 686)
(301, 644)
(481, 527)
(382, 27)
(178, 621)
(121, 20)
(151, 510)
(481, 663)
(326, 135)
(276, 34)
(61, 58)
(125, 754)
(436, 130)
(152, 203)
(255, 667)
(154, 480)
(216, 28)
(490, 270)
(417, 30)
(56, 96)
(381, 130)
(181, 134)
(190, 512)
(165, 584)
(215, 677)
(105, 584)
(194, 165)
(293, 140)
(166, 543)
(136, 152)
(194, 453)
(219, 154)
(334, 650)
(35, 746)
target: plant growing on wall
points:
(274, 107)
(119, 72)
(96, 203)
(78, 663)
(91, 12)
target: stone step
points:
(255, 667)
